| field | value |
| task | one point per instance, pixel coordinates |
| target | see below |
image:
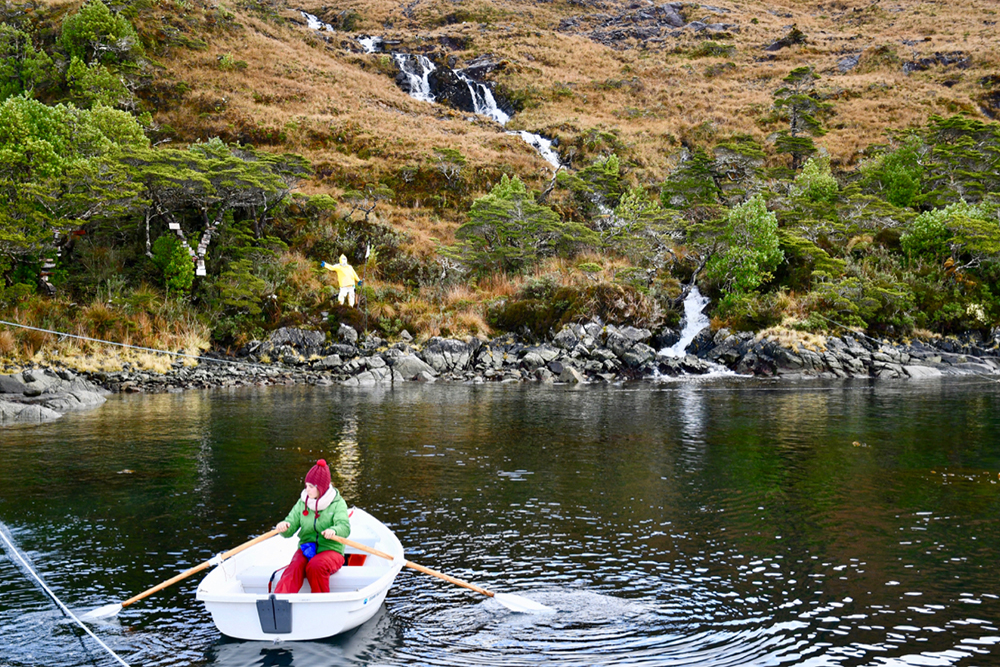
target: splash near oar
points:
(512, 602)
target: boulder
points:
(447, 354)
(304, 342)
(572, 376)
(12, 414)
(412, 366)
(347, 335)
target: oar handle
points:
(412, 565)
(198, 568)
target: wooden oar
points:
(109, 610)
(512, 602)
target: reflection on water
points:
(728, 522)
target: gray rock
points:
(572, 376)
(531, 361)
(12, 414)
(303, 341)
(405, 336)
(446, 354)
(347, 335)
(566, 339)
(341, 350)
(411, 366)
(375, 362)
(922, 372)
(11, 384)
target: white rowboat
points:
(237, 592)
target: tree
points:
(749, 248)
(964, 159)
(59, 168)
(691, 183)
(597, 187)
(962, 235)
(798, 102)
(95, 34)
(195, 188)
(22, 67)
(508, 231)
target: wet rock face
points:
(37, 396)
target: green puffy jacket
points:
(332, 514)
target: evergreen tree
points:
(508, 231)
(798, 102)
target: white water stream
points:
(418, 71)
(691, 324)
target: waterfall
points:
(691, 324)
(370, 43)
(540, 144)
(418, 71)
(314, 23)
(483, 101)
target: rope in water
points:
(65, 610)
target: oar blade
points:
(107, 611)
(522, 604)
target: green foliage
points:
(712, 49)
(175, 263)
(966, 233)
(750, 248)
(692, 183)
(803, 259)
(23, 69)
(597, 187)
(59, 168)
(750, 311)
(897, 176)
(871, 298)
(964, 159)
(508, 231)
(95, 85)
(195, 188)
(798, 103)
(815, 182)
(96, 34)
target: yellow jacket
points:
(346, 276)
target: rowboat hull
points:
(237, 592)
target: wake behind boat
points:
(238, 591)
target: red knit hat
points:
(319, 475)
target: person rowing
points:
(320, 515)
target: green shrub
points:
(173, 260)
(95, 34)
(815, 182)
(751, 248)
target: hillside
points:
(654, 88)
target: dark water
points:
(720, 523)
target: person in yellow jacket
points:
(346, 279)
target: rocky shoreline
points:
(578, 354)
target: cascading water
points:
(691, 324)
(418, 71)
(314, 23)
(486, 105)
(483, 101)
(370, 43)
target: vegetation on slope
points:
(173, 172)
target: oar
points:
(512, 602)
(109, 610)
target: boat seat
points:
(260, 580)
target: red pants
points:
(317, 569)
